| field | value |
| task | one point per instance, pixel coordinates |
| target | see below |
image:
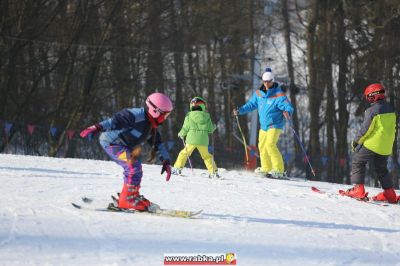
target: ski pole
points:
(244, 139)
(286, 115)
(213, 151)
(188, 157)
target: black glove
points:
(235, 112)
(354, 145)
(166, 168)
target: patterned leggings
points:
(132, 167)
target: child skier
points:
(272, 105)
(196, 127)
(374, 142)
(122, 139)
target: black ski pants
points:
(358, 167)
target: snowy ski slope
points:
(263, 221)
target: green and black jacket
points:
(378, 129)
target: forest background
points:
(67, 64)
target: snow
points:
(263, 221)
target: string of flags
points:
(70, 133)
(8, 126)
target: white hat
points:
(268, 76)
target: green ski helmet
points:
(198, 101)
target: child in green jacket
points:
(196, 128)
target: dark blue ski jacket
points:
(131, 127)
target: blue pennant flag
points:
(170, 145)
(7, 127)
(324, 160)
(53, 131)
(211, 149)
(287, 157)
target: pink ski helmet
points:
(159, 106)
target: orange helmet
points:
(374, 92)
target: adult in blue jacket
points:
(272, 104)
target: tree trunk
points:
(178, 47)
(330, 102)
(292, 87)
(155, 65)
(313, 90)
(211, 80)
(342, 123)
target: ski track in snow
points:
(264, 221)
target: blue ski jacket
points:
(270, 104)
(131, 127)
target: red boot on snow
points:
(388, 195)
(131, 199)
(357, 192)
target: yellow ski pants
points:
(205, 155)
(270, 156)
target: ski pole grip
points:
(286, 115)
(288, 118)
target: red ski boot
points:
(388, 195)
(131, 199)
(357, 192)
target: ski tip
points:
(115, 200)
(87, 200)
(76, 205)
(195, 213)
(315, 189)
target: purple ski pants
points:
(122, 155)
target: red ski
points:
(341, 193)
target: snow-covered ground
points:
(263, 221)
